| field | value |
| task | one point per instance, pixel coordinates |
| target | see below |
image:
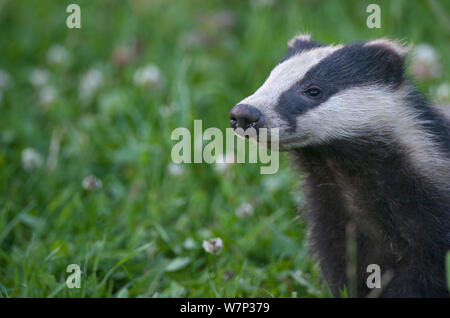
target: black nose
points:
(246, 116)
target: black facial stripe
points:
(353, 65)
(293, 102)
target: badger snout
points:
(246, 116)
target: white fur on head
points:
(394, 45)
(299, 37)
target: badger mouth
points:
(251, 133)
(267, 138)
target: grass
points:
(141, 233)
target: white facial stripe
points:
(349, 111)
(284, 76)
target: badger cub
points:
(376, 156)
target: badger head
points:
(319, 93)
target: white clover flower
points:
(175, 169)
(148, 76)
(58, 55)
(5, 80)
(91, 183)
(244, 210)
(213, 246)
(189, 244)
(38, 77)
(47, 95)
(31, 159)
(425, 62)
(443, 93)
(272, 183)
(90, 83)
(222, 163)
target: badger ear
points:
(396, 46)
(302, 37)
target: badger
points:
(376, 159)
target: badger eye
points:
(313, 92)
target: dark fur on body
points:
(402, 221)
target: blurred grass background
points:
(85, 103)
